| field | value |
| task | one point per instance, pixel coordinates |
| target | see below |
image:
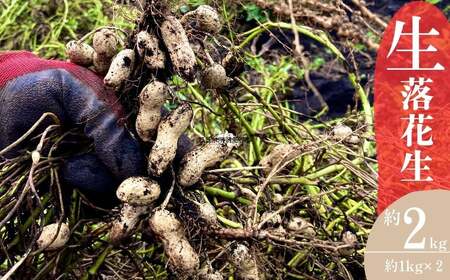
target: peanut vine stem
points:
(248, 128)
(269, 108)
(98, 263)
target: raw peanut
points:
(194, 163)
(344, 133)
(208, 213)
(138, 191)
(47, 240)
(148, 47)
(273, 219)
(151, 99)
(350, 240)
(172, 226)
(181, 254)
(340, 132)
(120, 69)
(80, 53)
(105, 43)
(143, 39)
(169, 130)
(180, 51)
(169, 230)
(279, 155)
(278, 198)
(204, 18)
(301, 226)
(245, 263)
(214, 77)
(137, 194)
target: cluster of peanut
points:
(166, 47)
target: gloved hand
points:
(30, 86)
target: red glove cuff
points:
(14, 64)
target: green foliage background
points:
(42, 26)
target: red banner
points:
(412, 103)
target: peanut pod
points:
(80, 53)
(245, 262)
(53, 236)
(120, 69)
(180, 51)
(169, 130)
(137, 194)
(151, 99)
(279, 155)
(105, 43)
(214, 77)
(169, 230)
(194, 162)
(148, 48)
(204, 18)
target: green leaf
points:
(254, 13)
(317, 63)
(434, 2)
(184, 9)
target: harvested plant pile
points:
(265, 193)
(349, 21)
